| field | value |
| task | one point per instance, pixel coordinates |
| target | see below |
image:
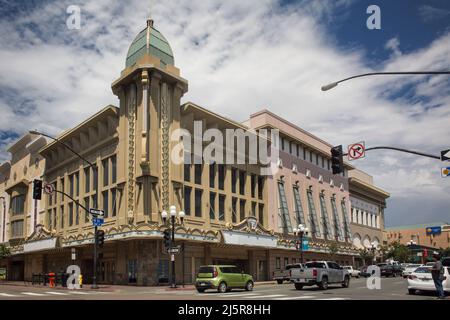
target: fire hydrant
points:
(80, 280)
(51, 279)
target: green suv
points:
(223, 278)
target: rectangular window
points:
(260, 187)
(278, 263)
(54, 218)
(18, 205)
(253, 184)
(212, 175)
(17, 229)
(242, 209)
(105, 165)
(283, 209)
(315, 231)
(325, 221)
(221, 169)
(234, 210)
(282, 143)
(347, 231)
(187, 172)
(286, 262)
(113, 169)
(187, 200)
(242, 179)
(86, 205)
(77, 184)
(311, 154)
(304, 153)
(50, 220)
(95, 176)
(233, 180)
(290, 147)
(323, 162)
(198, 202)
(61, 212)
(77, 218)
(298, 207)
(113, 200)
(254, 209)
(61, 187)
(87, 180)
(105, 196)
(212, 205)
(70, 214)
(198, 173)
(221, 207)
(94, 201)
(261, 214)
(317, 159)
(328, 164)
(71, 187)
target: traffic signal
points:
(100, 238)
(167, 238)
(37, 189)
(337, 160)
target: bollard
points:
(80, 280)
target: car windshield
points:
(310, 265)
(422, 270)
(413, 265)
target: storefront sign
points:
(433, 230)
(2, 273)
(40, 245)
(249, 239)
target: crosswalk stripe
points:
(334, 299)
(80, 292)
(57, 293)
(295, 298)
(239, 295)
(264, 297)
(33, 294)
(8, 295)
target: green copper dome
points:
(157, 46)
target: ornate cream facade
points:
(233, 211)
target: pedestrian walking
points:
(437, 272)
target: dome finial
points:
(150, 22)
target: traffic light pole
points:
(402, 150)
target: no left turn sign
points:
(49, 189)
(356, 151)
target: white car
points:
(410, 269)
(421, 280)
(353, 272)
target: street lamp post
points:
(173, 215)
(411, 243)
(301, 232)
(95, 173)
(373, 247)
(334, 84)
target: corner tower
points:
(149, 89)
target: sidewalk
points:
(116, 288)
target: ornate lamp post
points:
(411, 243)
(301, 232)
(373, 248)
(173, 214)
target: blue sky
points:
(243, 56)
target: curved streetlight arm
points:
(402, 150)
(334, 84)
(65, 145)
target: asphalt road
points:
(391, 289)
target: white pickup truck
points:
(284, 275)
(320, 273)
(353, 272)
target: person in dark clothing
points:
(437, 273)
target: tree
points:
(445, 252)
(365, 255)
(399, 252)
(333, 249)
(4, 251)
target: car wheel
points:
(298, 286)
(346, 282)
(324, 283)
(201, 290)
(222, 287)
(412, 291)
(394, 275)
(280, 281)
(249, 286)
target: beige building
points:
(233, 212)
(368, 203)
(430, 235)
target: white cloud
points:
(239, 57)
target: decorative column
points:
(131, 151)
(165, 117)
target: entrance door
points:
(17, 271)
(262, 270)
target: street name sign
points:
(445, 155)
(97, 222)
(97, 213)
(174, 250)
(445, 172)
(49, 189)
(356, 151)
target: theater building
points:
(234, 212)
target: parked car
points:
(353, 272)
(320, 273)
(364, 273)
(446, 262)
(223, 278)
(284, 275)
(389, 270)
(429, 264)
(422, 280)
(410, 269)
